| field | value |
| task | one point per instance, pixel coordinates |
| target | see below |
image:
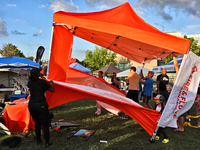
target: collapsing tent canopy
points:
(121, 30)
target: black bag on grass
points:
(11, 141)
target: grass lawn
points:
(119, 134)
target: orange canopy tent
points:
(121, 30)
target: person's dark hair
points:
(162, 107)
(34, 74)
(133, 68)
(162, 99)
(151, 72)
(114, 73)
(101, 72)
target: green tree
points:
(169, 58)
(100, 58)
(193, 48)
(30, 58)
(10, 50)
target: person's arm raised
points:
(175, 63)
(142, 76)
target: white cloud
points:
(102, 7)
(41, 6)
(22, 21)
(104, 3)
(191, 7)
(3, 28)
(140, 13)
(39, 33)
(193, 29)
(81, 51)
(16, 32)
(11, 5)
(61, 5)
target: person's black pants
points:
(40, 113)
(133, 94)
(2, 105)
(162, 130)
(165, 94)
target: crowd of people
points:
(163, 91)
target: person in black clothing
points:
(115, 81)
(162, 81)
(159, 106)
(38, 106)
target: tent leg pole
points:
(50, 49)
(151, 140)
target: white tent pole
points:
(52, 30)
(151, 140)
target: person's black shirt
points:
(37, 90)
(164, 80)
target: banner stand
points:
(151, 140)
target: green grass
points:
(120, 134)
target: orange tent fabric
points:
(79, 77)
(73, 60)
(61, 50)
(121, 30)
(18, 118)
(66, 92)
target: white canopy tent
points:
(169, 66)
(138, 68)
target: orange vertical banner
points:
(61, 50)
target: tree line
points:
(9, 50)
(193, 48)
(96, 59)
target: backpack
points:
(11, 141)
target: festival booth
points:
(16, 62)
(119, 29)
(16, 115)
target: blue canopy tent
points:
(79, 67)
(169, 66)
(17, 62)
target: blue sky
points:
(27, 23)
